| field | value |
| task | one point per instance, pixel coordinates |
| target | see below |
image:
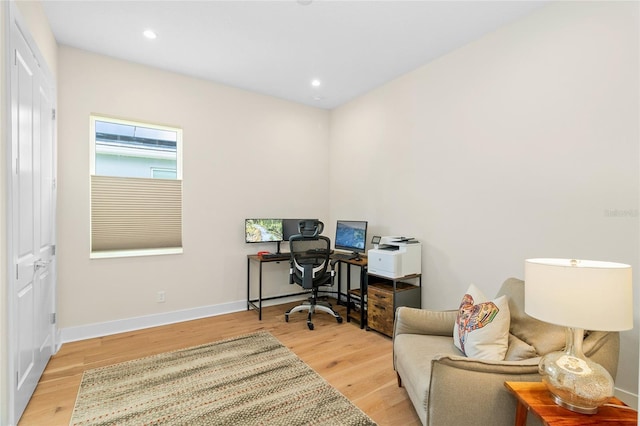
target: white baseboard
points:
(72, 334)
(628, 398)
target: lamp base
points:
(571, 406)
(574, 381)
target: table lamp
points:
(580, 295)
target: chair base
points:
(312, 308)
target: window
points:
(136, 188)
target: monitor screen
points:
(262, 230)
(290, 227)
(351, 235)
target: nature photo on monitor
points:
(262, 230)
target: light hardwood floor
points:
(356, 362)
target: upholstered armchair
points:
(447, 388)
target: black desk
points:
(358, 293)
(251, 303)
(257, 303)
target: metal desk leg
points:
(364, 300)
(347, 293)
(260, 293)
(248, 283)
(348, 277)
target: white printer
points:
(395, 257)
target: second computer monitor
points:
(290, 227)
(351, 235)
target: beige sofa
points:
(449, 389)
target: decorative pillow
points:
(482, 326)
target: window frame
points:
(98, 254)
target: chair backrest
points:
(310, 228)
(309, 255)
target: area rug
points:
(247, 380)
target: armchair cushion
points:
(482, 326)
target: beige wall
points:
(521, 144)
(245, 155)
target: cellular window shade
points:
(135, 213)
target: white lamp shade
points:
(585, 294)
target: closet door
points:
(31, 222)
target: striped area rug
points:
(247, 380)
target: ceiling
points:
(278, 47)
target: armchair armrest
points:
(455, 376)
(423, 321)
(525, 366)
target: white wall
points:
(521, 144)
(244, 155)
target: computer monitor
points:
(262, 230)
(290, 227)
(351, 235)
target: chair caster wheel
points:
(286, 318)
(339, 320)
(310, 325)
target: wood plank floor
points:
(356, 362)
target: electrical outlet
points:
(160, 297)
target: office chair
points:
(311, 267)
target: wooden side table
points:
(534, 397)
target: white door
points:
(31, 224)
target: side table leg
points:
(521, 414)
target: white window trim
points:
(105, 254)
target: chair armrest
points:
(423, 321)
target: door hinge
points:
(17, 272)
(53, 114)
(53, 250)
(53, 318)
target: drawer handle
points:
(380, 307)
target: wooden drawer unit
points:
(380, 313)
(383, 297)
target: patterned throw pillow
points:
(482, 326)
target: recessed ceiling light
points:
(315, 83)
(150, 34)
